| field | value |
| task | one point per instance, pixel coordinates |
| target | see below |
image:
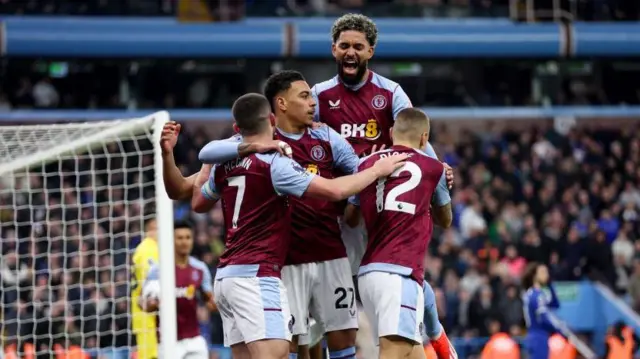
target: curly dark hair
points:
(355, 22)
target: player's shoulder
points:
(384, 83)
(425, 159)
(324, 133)
(324, 86)
(197, 264)
(374, 156)
(235, 138)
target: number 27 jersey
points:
(397, 213)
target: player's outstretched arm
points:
(441, 203)
(221, 151)
(289, 177)
(204, 195)
(177, 186)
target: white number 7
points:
(239, 182)
(390, 203)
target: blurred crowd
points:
(570, 199)
(578, 9)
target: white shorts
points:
(315, 334)
(355, 241)
(394, 305)
(253, 308)
(192, 348)
(324, 289)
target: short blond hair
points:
(411, 123)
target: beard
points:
(352, 79)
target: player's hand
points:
(275, 145)
(317, 125)
(375, 148)
(169, 136)
(448, 172)
(386, 166)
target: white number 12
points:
(240, 182)
(391, 203)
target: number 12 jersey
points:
(397, 214)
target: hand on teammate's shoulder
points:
(275, 145)
(385, 166)
(448, 172)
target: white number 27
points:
(391, 203)
(240, 182)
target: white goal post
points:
(73, 201)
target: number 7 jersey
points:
(256, 211)
(397, 214)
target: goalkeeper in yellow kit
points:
(144, 324)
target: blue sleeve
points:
(314, 94)
(207, 283)
(441, 196)
(153, 274)
(220, 151)
(400, 101)
(553, 302)
(429, 151)
(288, 177)
(344, 157)
(355, 199)
(208, 189)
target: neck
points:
(182, 261)
(406, 143)
(262, 137)
(289, 126)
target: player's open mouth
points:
(350, 65)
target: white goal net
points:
(73, 201)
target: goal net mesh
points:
(73, 202)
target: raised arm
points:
(177, 186)
(204, 194)
(554, 302)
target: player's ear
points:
(372, 50)
(333, 49)
(235, 128)
(424, 138)
(391, 134)
(281, 103)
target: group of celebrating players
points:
(355, 137)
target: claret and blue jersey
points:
(256, 211)
(191, 279)
(397, 214)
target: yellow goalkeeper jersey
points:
(144, 324)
